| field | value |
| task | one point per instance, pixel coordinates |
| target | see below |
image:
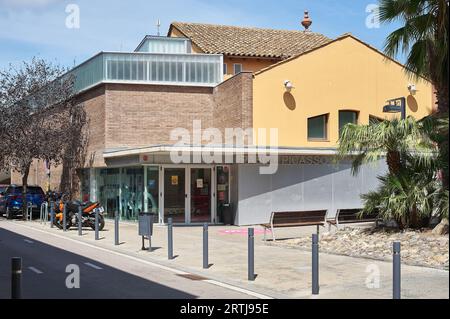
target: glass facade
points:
(152, 190)
(142, 68)
(85, 187)
(108, 189)
(132, 192)
(165, 45)
(174, 194)
(185, 194)
(223, 192)
(201, 187)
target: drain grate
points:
(193, 277)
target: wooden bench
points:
(295, 219)
(352, 216)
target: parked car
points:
(11, 200)
(2, 190)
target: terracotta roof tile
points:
(256, 42)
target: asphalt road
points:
(102, 274)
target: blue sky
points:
(37, 27)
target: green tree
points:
(39, 118)
(372, 142)
(423, 36)
(410, 197)
(411, 192)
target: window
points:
(153, 191)
(347, 117)
(225, 68)
(317, 128)
(237, 68)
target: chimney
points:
(306, 23)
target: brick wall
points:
(94, 104)
(234, 103)
(127, 115)
(144, 115)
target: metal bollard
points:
(80, 221)
(30, 212)
(143, 243)
(397, 271)
(43, 217)
(64, 217)
(116, 228)
(205, 247)
(52, 214)
(97, 237)
(16, 278)
(170, 238)
(251, 254)
(315, 264)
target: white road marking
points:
(93, 266)
(35, 270)
(241, 290)
(178, 272)
(28, 241)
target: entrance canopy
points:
(162, 154)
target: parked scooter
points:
(89, 210)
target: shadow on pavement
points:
(104, 283)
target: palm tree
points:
(368, 143)
(411, 192)
(424, 38)
(410, 197)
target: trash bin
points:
(228, 217)
(146, 224)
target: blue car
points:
(11, 200)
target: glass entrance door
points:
(175, 194)
(201, 187)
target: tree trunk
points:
(442, 106)
(414, 221)
(24, 191)
(394, 162)
(400, 223)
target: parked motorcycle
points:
(89, 210)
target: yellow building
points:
(340, 82)
(334, 82)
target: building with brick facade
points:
(174, 132)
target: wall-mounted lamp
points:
(396, 106)
(412, 89)
(288, 85)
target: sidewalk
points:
(281, 272)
